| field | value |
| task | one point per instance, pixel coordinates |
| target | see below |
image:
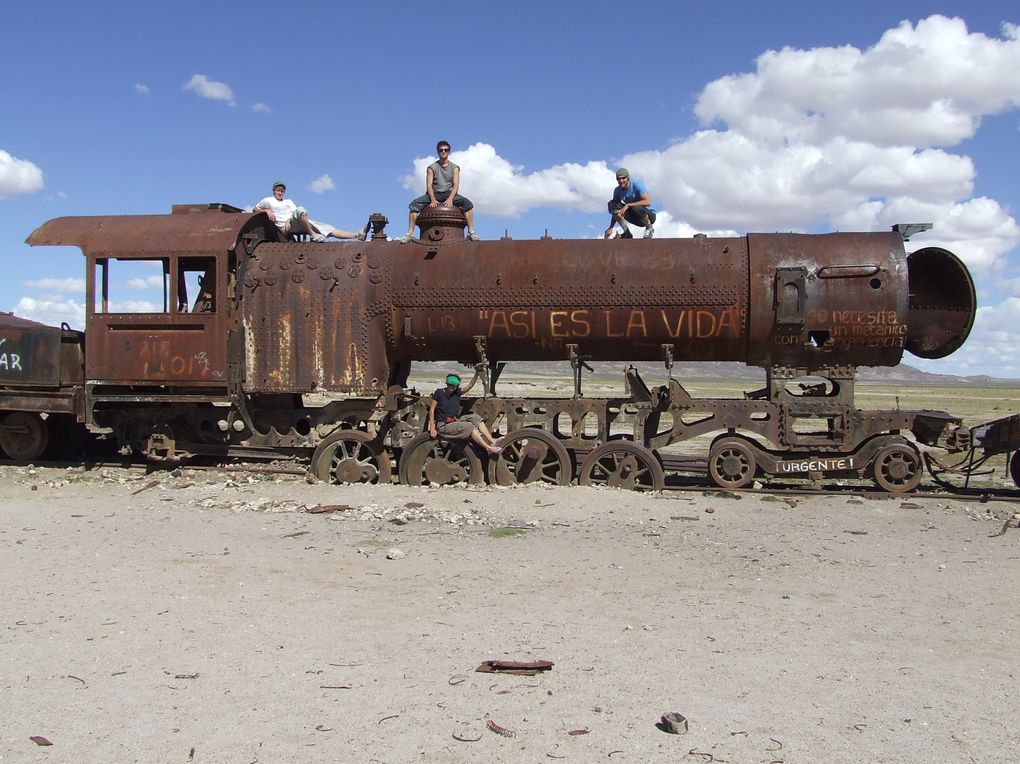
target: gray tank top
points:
(442, 177)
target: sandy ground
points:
(195, 617)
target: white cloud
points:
(924, 86)
(991, 347)
(141, 89)
(260, 108)
(59, 285)
(52, 312)
(820, 139)
(202, 86)
(18, 176)
(134, 306)
(322, 184)
(149, 282)
(498, 188)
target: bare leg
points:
(411, 218)
(304, 225)
(486, 434)
(338, 233)
(480, 439)
(470, 215)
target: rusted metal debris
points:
(674, 723)
(146, 487)
(40, 740)
(1005, 527)
(522, 668)
(320, 509)
(499, 730)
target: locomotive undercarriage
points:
(791, 428)
(624, 441)
(798, 426)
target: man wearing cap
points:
(290, 218)
(630, 204)
(445, 418)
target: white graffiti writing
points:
(9, 361)
(816, 465)
(203, 362)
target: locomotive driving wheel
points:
(23, 436)
(897, 468)
(428, 460)
(731, 463)
(351, 456)
(622, 464)
(531, 455)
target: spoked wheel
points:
(428, 460)
(731, 463)
(23, 436)
(351, 456)
(897, 468)
(622, 464)
(531, 455)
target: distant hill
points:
(716, 370)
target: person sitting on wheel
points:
(445, 418)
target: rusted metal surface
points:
(943, 303)
(41, 367)
(29, 353)
(185, 230)
(285, 318)
(339, 317)
(168, 347)
(795, 300)
(314, 317)
(1000, 436)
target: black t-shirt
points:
(447, 404)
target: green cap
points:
(623, 172)
(278, 184)
(453, 379)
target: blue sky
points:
(739, 117)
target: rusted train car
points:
(276, 321)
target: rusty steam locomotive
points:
(277, 320)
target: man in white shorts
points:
(290, 218)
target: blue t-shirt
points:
(634, 191)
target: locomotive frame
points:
(276, 320)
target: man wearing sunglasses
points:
(630, 204)
(442, 180)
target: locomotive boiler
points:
(275, 322)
